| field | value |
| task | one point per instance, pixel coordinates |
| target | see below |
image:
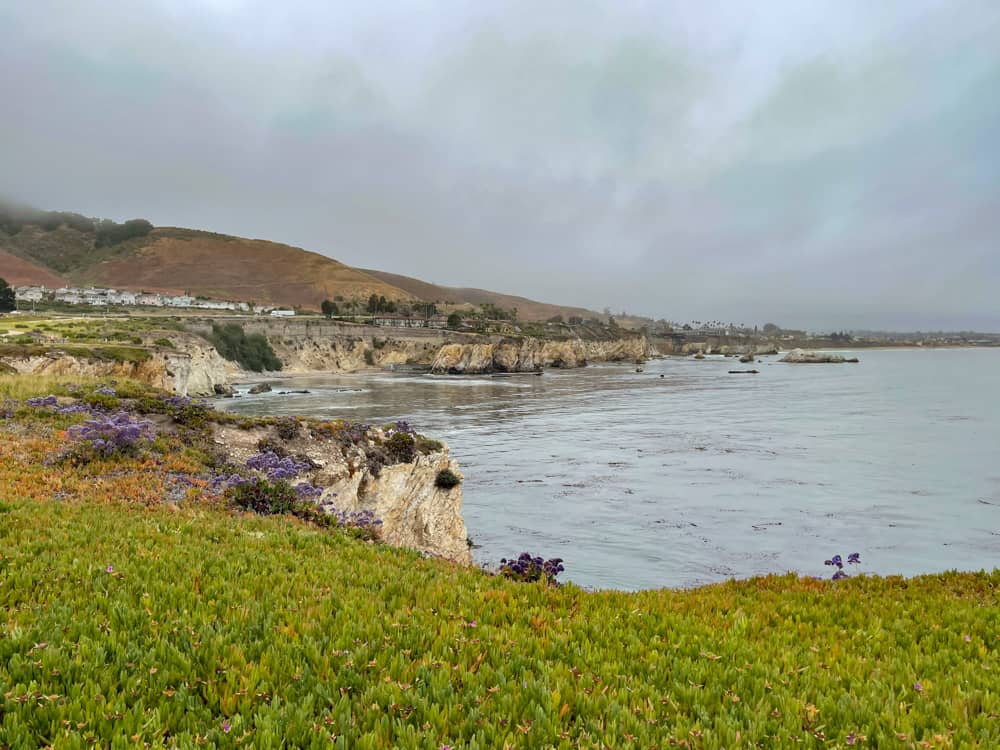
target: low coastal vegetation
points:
(143, 603)
(252, 352)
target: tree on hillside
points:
(8, 301)
(109, 233)
(454, 320)
(329, 308)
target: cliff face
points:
(529, 355)
(195, 367)
(153, 371)
(349, 354)
(192, 368)
(414, 512)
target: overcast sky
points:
(827, 165)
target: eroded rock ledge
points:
(529, 354)
(357, 475)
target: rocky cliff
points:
(357, 476)
(529, 355)
(193, 367)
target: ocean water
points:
(642, 481)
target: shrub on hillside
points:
(401, 448)
(110, 233)
(8, 300)
(264, 496)
(287, 428)
(252, 352)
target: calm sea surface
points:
(639, 481)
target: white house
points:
(30, 293)
(282, 313)
(122, 298)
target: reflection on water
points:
(639, 481)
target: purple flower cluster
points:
(106, 390)
(356, 431)
(362, 519)
(276, 467)
(222, 482)
(531, 568)
(41, 402)
(116, 434)
(837, 561)
(308, 491)
(179, 402)
(78, 409)
(401, 426)
(8, 408)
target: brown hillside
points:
(223, 267)
(526, 309)
(17, 271)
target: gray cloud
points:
(818, 164)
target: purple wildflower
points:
(854, 558)
(851, 738)
(226, 726)
(41, 402)
(918, 687)
(529, 568)
(275, 467)
(364, 519)
(306, 490)
(110, 569)
(401, 426)
(118, 434)
(77, 409)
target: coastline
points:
(158, 616)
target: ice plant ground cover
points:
(129, 620)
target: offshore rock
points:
(800, 356)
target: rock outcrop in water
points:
(530, 355)
(800, 356)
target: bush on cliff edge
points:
(252, 352)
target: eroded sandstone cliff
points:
(192, 367)
(356, 476)
(529, 354)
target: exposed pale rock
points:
(800, 356)
(193, 367)
(414, 512)
(531, 355)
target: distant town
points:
(101, 297)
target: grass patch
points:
(131, 619)
(209, 628)
(29, 386)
